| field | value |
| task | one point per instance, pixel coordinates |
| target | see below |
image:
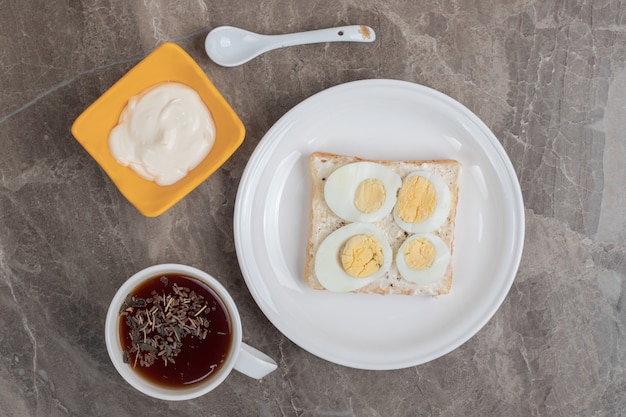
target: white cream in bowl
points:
(163, 133)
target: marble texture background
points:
(549, 79)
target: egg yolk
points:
(369, 195)
(362, 255)
(416, 200)
(419, 254)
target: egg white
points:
(440, 212)
(328, 268)
(431, 274)
(341, 186)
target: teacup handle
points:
(253, 362)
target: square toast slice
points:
(323, 222)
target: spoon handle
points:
(354, 33)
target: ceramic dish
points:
(168, 62)
(378, 119)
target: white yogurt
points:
(163, 133)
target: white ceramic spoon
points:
(229, 46)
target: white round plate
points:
(378, 119)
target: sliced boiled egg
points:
(362, 191)
(423, 203)
(423, 259)
(352, 257)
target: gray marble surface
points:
(548, 78)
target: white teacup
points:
(241, 356)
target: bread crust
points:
(323, 221)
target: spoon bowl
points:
(230, 46)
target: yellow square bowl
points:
(91, 129)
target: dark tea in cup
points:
(174, 330)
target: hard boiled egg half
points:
(362, 191)
(352, 257)
(423, 259)
(423, 202)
